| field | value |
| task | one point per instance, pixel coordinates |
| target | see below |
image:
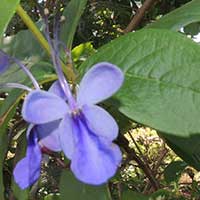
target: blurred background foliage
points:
(101, 22)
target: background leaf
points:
(7, 10)
(72, 13)
(158, 195)
(71, 188)
(131, 195)
(173, 171)
(16, 46)
(180, 17)
(81, 52)
(52, 197)
(192, 29)
(4, 120)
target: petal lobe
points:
(99, 83)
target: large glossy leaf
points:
(180, 17)
(7, 10)
(71, 188)
(162, 87)
(72, 14)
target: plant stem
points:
(139, 15)
(123, 142)
(41, 39)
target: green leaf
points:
(162, 194)
(7, 10)
(71, 188)
(161, 87)
(4, 120)
(192, 29)
(16, 46)
(173, 171)
(156, 91)
(72, 14)
(187, 148)
(158, 195)
(131, 195)
(180, 17)
(81, 52)
(52, 197)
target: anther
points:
(76, 112)
(46, 11)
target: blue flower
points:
(73, 123)
(83, 130)
(86, 131)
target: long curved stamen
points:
(15, 85)
(27, 72)
(58, 68)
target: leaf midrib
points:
(153, 79)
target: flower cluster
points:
(62, 121)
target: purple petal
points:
(4, 62)
(42, 107)
(27, 170)
(67, 137)
(49, 135)
(94, 161)
(56, 89)
(100, 122)
(99, 83)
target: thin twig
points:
(155, 168)
(138, 148)
(139, 15)
(54, 155)
(162, 153)
(123, 142)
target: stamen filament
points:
(24, 68)
(58, 68)
(29, 74)
(15, 85)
